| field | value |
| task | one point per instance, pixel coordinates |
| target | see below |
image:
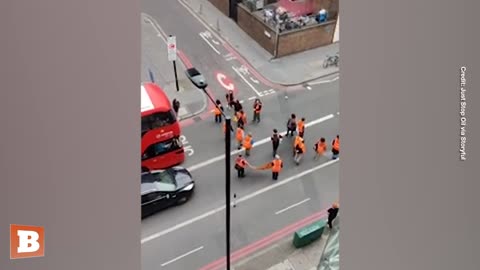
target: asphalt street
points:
(205, 138)
(200, 222)
(192, 235)
(252, 220)
(201, 49)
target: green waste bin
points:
(308, 234)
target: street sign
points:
(172, 48)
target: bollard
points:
(218, 25)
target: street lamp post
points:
(228, 127)
(197, 79)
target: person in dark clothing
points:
(291, 124)
(230, 99)
(275, 141)
(176, 105)
(237, 106)
(218, 111)
(332, 214)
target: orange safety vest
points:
(304, 149)
(239, 134)
(301, 126)
(247, 142)
(240, 162)
(217, 111)
(297, 140)
(277, 165)
(321, 147)
(336, 144)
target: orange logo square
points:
(26, 241)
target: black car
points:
(161, 189)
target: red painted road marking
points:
(224, 81)
(210, 106)
(245, 251)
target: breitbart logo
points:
(26, 241)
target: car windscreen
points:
(161, 148)
(157, 120)
(162, 180)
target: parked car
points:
(161, 189)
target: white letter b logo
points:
(27, 241)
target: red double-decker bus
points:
(161, 144)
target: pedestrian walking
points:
(300, 151)
(239, 136)
(291, 125)
(301, 127)
(218, 111)
(240, 164)
(237, 106)
(241, 118)
(257, 108)
(336, 147)
(332, 214)
(277, 165)
(276, 139)
(248, 144)
(320, 148)
(176, 105)
(296, 142)
(230, 99)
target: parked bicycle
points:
(331, 61)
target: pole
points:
(175, 71)
(227, 186)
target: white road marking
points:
(155, 26)
(258, 143)
(208, 42)
(241, 101)
(182, 256)
(250, 196)
(291, 206)
(251, 98)
(247, 82)
(189, 9)
(309, 87)
(326, 81)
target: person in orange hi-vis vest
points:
(239, 136)
(277, 165)
(240, 164)
(217, 111)
(257, 108)
(336, 147)
(300, 151)
(320, 148)
(247, 144)
(296, 141)
(301, 127)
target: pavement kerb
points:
(284, 84)
(183, 67)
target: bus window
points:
(157, 120)
(160, 148)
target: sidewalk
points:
(284, 256)
(289, 70)
(154, 57)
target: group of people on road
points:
(294, 129)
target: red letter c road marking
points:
(225, 81)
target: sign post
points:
(172, 55)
